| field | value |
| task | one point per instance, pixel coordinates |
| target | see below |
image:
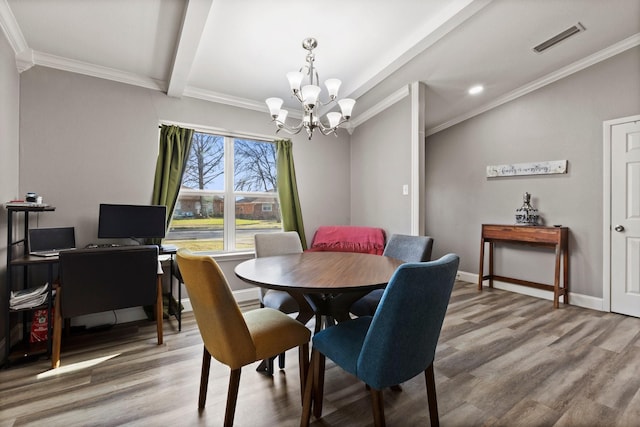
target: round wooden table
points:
(323, 283)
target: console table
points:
(552, 237)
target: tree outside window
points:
(228, 194)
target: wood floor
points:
(503, 359)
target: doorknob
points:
(619, 228)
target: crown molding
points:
(222, 98)
(380, 106)
(24, 60)
(606, 53)
(11, 28)
(233, 101)
(79, 67)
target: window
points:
(228, 194)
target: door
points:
(625, 218)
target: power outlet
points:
(405, 190)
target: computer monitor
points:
(131, 221)
(49, 241)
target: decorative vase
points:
(527, 214)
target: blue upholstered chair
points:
(402, 247)
(393, 346)
(272, 244)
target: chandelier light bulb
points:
(295, 80)
(346, 106)
(310, 95)
(274, 105)
(334, 118)
(332, 85)
(282, 116)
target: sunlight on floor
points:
(75, 366)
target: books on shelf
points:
(28, 298)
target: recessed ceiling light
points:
(474, 90)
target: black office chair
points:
(102, 279)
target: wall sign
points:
(534, 168)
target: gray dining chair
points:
(396, 344)
(272, 244)
(402, 247)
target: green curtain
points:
(175, 144)
(288, 190)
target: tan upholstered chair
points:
(233, 338)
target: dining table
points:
(324, 284)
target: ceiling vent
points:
(559, 37)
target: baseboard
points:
(584, 301)
(244, 296)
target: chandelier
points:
(308, 95)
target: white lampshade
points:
(332, 87)
(310, 95)
(346, 106)
(333, 118)
(274, 105)
(295, 80)
(282, 116)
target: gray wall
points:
(380, 166)
(9, 121)
(560, 121)
(85, 141)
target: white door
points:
(625, 218)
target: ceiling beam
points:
(195, 18)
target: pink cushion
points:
(347, 238)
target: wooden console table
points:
(554, 237)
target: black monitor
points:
(131, 221)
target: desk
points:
(553, 237)
(167, 253)
(322, 283)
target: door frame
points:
(607, 126)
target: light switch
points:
(405, 190)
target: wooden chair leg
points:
(281, 360)
(57, 330)
(377, 405)
(232, 397)
(308, 391)
(303, 362)
(431, 396)
(204, 378)
(318, 380)
(159, 310)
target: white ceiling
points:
(238, 51)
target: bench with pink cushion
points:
(348, 238)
